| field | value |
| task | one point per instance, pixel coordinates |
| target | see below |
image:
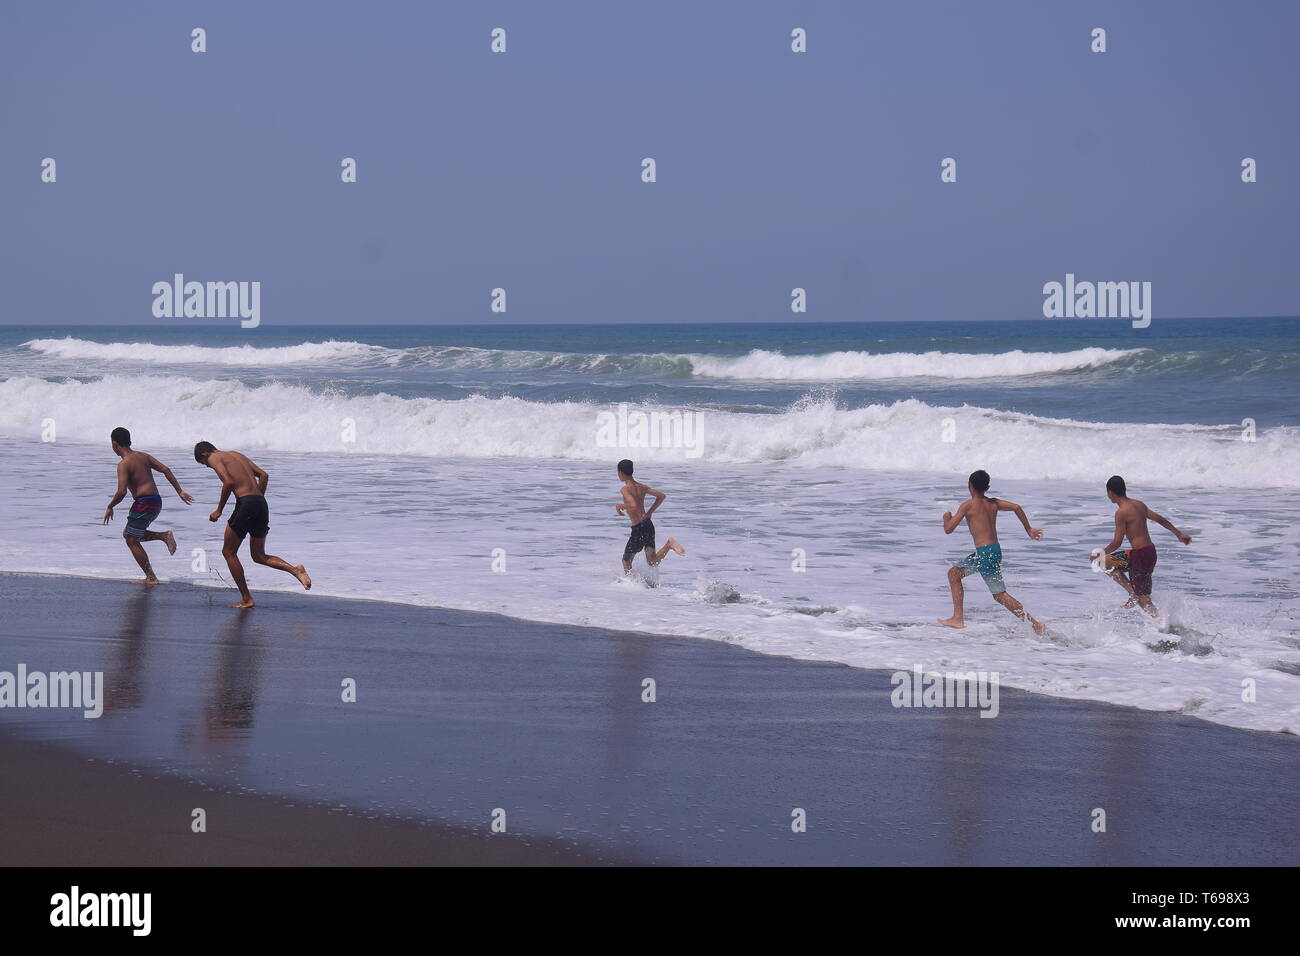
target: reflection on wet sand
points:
(125, 669)
(458, 712)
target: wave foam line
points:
(757, 365)
(903, 436)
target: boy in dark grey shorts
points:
(642, 537)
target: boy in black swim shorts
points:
(241, 476)
(642, 537)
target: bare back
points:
(1131, 522)
(237, 471)
(136, 471)
(634, 497)
(981, 519)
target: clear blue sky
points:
(522, 170)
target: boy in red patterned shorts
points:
(1132, 569)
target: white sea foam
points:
(902, 436)
(757, 365)
(760, 365)
(248, 356)
(873, 583)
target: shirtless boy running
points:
(981, 516)
(1132, 569)
(642, 537)
(251, 517)
(135, 474)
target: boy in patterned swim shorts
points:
(981, 514)
(135, 474)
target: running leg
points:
(257, 546)
(1016, 608)
(167, 536)
(1117, 574)
(142, 559)
(654, 557)
(955, 574)
(230, 549)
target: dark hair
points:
(1116, 484)
(625, 467)
(121, 436)
(979, 480)
(202, 448)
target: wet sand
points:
(59, 809)
(458, 715)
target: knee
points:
(954, 575)
(228, 553)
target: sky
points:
(522, 170)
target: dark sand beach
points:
(459, 714)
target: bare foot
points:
(170, 538)
(244, 604)
(150, 581)
(1131, 602)
(303, 577)
(955, 622)
(672, 543)
(1040, 628)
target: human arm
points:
(1019, 512)
(121, 492)
(658, 496)
(221, 505)
(227, 486)
(263, 479)
(1166, 523)
(166, 472)
(951, 521)
(1119, 536)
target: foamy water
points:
(757, 365)
(904, 435)
(399, 468)
(401, 529)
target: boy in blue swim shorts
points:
(981, 515)
(986, 561)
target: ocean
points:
(806, 467)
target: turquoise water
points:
(1204, 371)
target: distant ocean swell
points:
(757, 365)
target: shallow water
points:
(404, 458)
